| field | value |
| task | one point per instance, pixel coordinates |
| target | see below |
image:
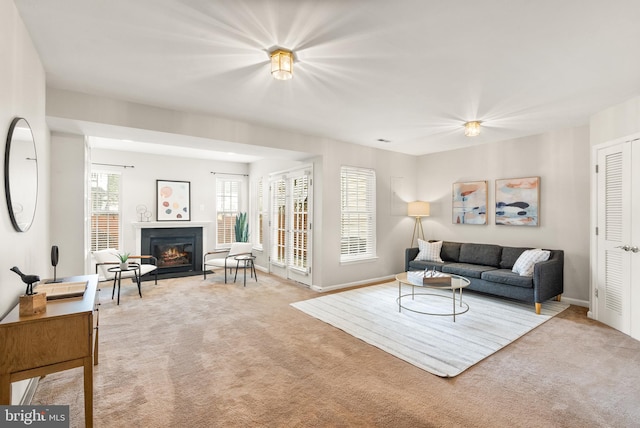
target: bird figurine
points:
(27, 279)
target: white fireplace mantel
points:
(139, 225)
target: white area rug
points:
(433, 343)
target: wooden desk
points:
(60, 339)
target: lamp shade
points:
(418, 209)
(282, 64)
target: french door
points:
(617, 288)
(291, 224)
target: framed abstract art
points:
(470, 202)
(173, 200)
(518, 201)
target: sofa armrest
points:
(548, 277)
(409, 255)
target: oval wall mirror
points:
(21, 174)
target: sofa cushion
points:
(510, 255)
(466, 269)
(505, 276)
(450, 251)
(481, 254)
(429, 251)
(527, 260)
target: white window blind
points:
(227, 206)
(358, 209)
(278, 219)
(105, 210)
(259, 214)
(298, 248)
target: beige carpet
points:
(194, 353)
(436, 344)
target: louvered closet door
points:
(614, 203)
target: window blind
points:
(358, 219)
(105, 210)
(227, 207)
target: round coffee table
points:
(457, 283)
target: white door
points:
(613, 289)
(291, 224)
(617, 288)
(634, 250)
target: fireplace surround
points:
(178, 249)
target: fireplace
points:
(178, 249)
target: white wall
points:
(559, 158)
(22, 93)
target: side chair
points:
(107, 258)
(225, 258)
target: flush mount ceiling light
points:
(281, 64)
(472, 129)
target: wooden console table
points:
(62, 338)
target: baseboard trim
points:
(577, 302)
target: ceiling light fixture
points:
(281, 64)
(472, 129)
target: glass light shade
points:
(472, 129)
(418, 209)
(282, 64)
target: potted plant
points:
(123, 257)
(242, 228)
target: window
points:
(259, 214)
(279, 225)
(227, 206)
(105, 210)
(358, 209)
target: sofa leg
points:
(558, 297)
(538, 308)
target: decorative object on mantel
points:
(242, 228)
(418, 209)
(30, 303)
(173, 200)
(142, 211)
(470, 202)
(517, 201)
(124, 260)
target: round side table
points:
(133, 267)
(247, 261)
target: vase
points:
(124, 266)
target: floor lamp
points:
(418, 209)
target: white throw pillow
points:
(524, 265)
(429, 251)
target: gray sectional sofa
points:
(488, 267)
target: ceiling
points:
(409, 72)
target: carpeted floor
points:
(195, 353)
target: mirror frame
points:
(7, 173)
